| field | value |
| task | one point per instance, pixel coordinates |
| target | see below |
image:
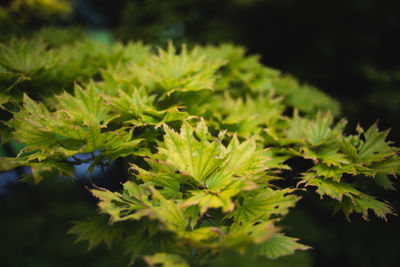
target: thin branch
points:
(211, 222)
(76, 159)
(192, 257)
(101, 163)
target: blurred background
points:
(347, 48)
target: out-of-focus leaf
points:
(279, 245)
(166, 260)
(97, 230)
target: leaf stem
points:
(79, 161)
(211, 222)
(208, 217)
(192, 257)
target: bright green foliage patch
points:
(206, 134)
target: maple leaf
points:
(168, 212)
(212, 165)
(186, 71)
(314, 131)
(240, 69)
(27, 58)
(245, 116)
(85, 107)
(375, 147)
(97, 230)
(352, 200)
(33, 126)
(132, 204)
(196, 158)
(220, 197)
(362, 203)
(331, 188)
(240, 237)
(264, 204)
(279, 245)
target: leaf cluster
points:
(206, 132)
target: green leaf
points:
(133, 104)
(97, 230)
(245, 72)
(166, 260)
(119, 143)
(27, 57)
(363, 203)
(133, 52)
(9, 163)
(315, 131)
(76, 126)
(219, 197)
(244, 159)
(205, 237)
(246, 116)
(161, 176)
(374, 148)
(86, 106)
(168, 212)
(351, 199)
(48, 169)
(146, 239)
(328, 154)
(318, 131)
(33, 126)
(333, 172)
(390, 165)
(331, 188)
(208, 200)
(241, 236)
(305, 98)
(197, 159)
(265, 204)
(186, 71)
(279, 245)
(350, 150)
(132, 204)
(384, 181)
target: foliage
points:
(22, 17)
(208, 134)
